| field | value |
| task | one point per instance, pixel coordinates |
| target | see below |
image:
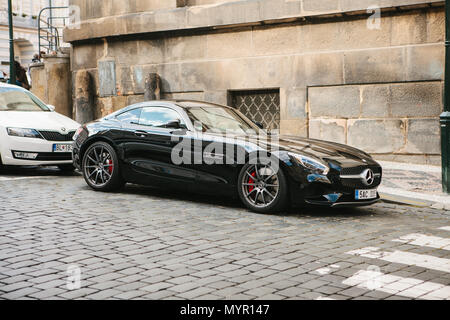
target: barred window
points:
(262, 106)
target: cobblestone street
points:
(143, 243)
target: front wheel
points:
(101, 169)
(263, 188)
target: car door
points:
(150, 155)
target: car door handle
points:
(141, 134)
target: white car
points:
(31, 133)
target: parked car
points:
(31, 132)
(145, 142)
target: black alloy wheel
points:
(101, 167)
(263, 188)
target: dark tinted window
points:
(130, 117)
(158, 116)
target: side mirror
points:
(52, 108)
(259, 124)
(176, 124)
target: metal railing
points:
(50, 29)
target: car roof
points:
(183, 104)
(196, 103)
(7, 85)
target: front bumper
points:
(343, 203)
(76, 157)
(328, 192)
(43, 148)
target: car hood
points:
(326, 151)
(37, 120)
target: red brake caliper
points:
(110, 166)
(251, 181)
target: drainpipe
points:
(445, 116)
(12, 67)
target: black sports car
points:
(215, 149)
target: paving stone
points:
(163, 294)
(193, 294)
(181, 280)
(194, 247)
(77, 294)
(104, 294)
(313, 284)
(133, 294)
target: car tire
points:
(66, 168)
(263, 202)
(101, 168)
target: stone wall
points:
(377, 89)
(394, 120)
(51, 82)
(205, 2)
(105, 8)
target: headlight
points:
(79, 131)
(311, 164)
(26, 133)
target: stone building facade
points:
(25, 19)
(364, 73)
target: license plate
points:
(63, 147)
(365, 194)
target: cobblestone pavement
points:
(147, 244)
(414, 181)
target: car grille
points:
(360, 169)
(352, 184)
(56, 136)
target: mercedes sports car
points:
(31, 132)
(199, 146)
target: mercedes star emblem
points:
(368, 177)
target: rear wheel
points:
(263, 188)
(101, 169)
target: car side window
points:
(159, 117)
(130, 117)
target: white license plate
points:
(365, 194)
(63, 147)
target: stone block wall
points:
(393, 121)
(51, 82)
(378, 89)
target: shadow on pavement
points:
(182, 195)
(17, 172)
(234, 203)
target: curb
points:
(413, 201)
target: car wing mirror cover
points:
(176, 124)
(259, 124)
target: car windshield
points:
(16, 99)
(220, 120)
